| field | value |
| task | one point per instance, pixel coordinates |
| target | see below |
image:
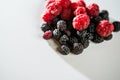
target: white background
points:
(23, 53)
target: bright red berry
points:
(64, 3)
(104, 28)
(81, 22)
(93, 10)
(78, 3)
(80, 10)
(49, 2)
(54, 8)
(47, 17)
(47, 34)
(66, 14)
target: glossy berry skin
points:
(104, 28)
(81, 22)
(116, 26)
(93, 10)
(61, 25)
(80, 10)
(47, 34)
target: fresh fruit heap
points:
(74, 25)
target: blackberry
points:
(89, 36)
(67, 32)
(82, 33)
(56, 34)
(86, 44)
(91, 27)
(97, 38)
(54, 22)
(65, 50)
(77, 48)
(116, 26)
(45, 27)
(97, 19)
(73, 40)
(108, 38)
(61, 25)
(64, 39)
(104, 14)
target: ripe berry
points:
(54, 8)
(63, 39)
(65, 50)
(47, 17)
(104, 28)
(116, 26)
(80, 10)
(93, 10)
(91, 28)
(97, 38)
(64, 3)
(104, 15)
(56, 34)
(77, 48)
(81, 22)
(78, 3)
(45, 27)
(86, 44)
(73, 40)
(61, 25)
(47, 34)
(66, 14)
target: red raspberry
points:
(104, 28)
(49, 2)
(66, 14)
(54, 8)
(80, 10)
(64, 3)
(81, 22)
(47, 34)
(93, 10)
(79, 3)
(47, 17)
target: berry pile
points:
(74, 24)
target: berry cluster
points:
(74, 25)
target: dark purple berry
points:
(61, 25)
(64, 39)
(65, 50)
(116, 26)
(86, 44)
(97, 38)
(56, 34)
(104, 14)
(77, 48)
(45, 27)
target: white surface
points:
(25, 56)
